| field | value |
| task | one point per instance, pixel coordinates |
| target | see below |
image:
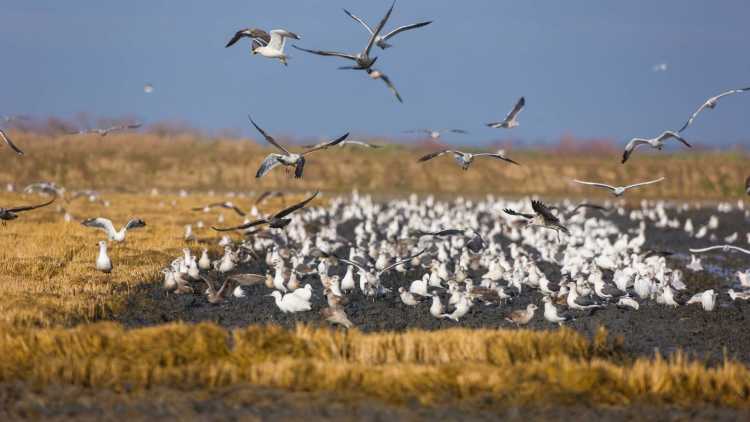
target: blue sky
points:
(585, 66)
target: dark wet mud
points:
(249, 403)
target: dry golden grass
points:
(513, 367)
(136, 162)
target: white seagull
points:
(106, 131)
(380, 40)
(106, 225)
(275, 47)
(618, 190)
(711, 104)
(657, 143)
(511, 120)
(103, 263)
(436, 133)
(287, 158)
(464, 159)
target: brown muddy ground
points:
(248, 403)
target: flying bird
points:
(711, 104)
(259, 38)
(10, 143)
(226, 205)
(275, 221)
(104, 132)
(618, 190)
(274, 49)
(287, 158)
(377, 74)
(723, 248)
(381, 41)
(362, 60)
(542, 217)
(464, 159)
(511, 120)
(436, 133)
(657, 143)
(7, 214)
(106, 225)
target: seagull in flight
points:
(287, 158)
(711, 104)
(511, 120)
(259, 38)
(362, 60)
(275, 47)
(106, 225)
(723, 248)
(10, 143)
(464, 159)
(380, 40)
(436, 133)
(377, 74)
(657, 143)
(618, 190)
(276, 221)
(7, 214)
(226, 205)
(104, 132)
(542, 217)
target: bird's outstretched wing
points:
(135, 223)
(10, 143)
(390, 86)
(518, 214)
(286, 211)
(327, 144)
(31, 207)
(516, 109)
(401, 29)
(240, 227)
(543, 210)
(361, 22)
(432, 155)
(447, 232)
(635, 185)
(497, 156)
(271, 161)
(678, 137)
(598, 185)
(329, 53)
(100, 223)
(267, 137)
(631, 146)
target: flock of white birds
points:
(465, 253)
